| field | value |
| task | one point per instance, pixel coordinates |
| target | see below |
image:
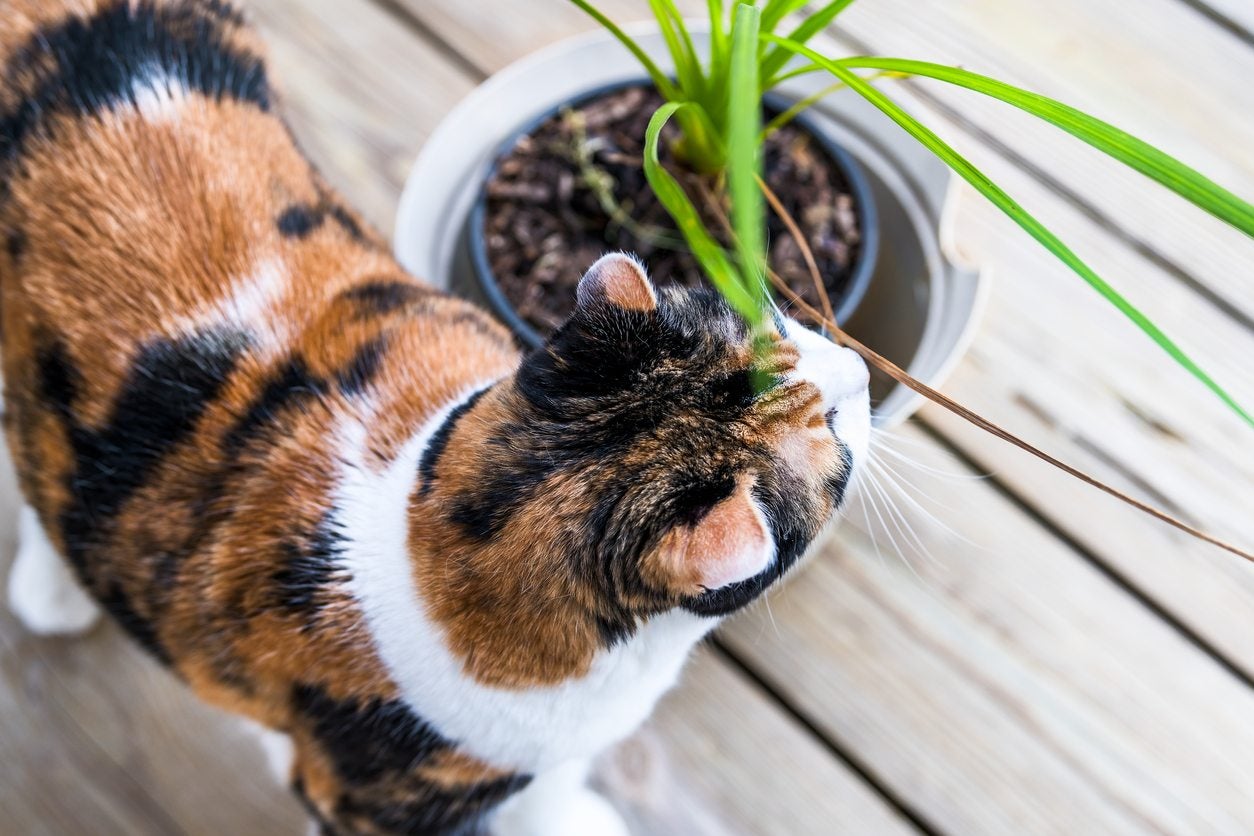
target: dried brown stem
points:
(806, 252)
(898, 374)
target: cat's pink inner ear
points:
(618, 279)
(731, 543)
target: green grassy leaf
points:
(1016, 212)
(1128, 149)
(714, 261)
(718, 37)
(663, 84)
(774, 12)
(688, 69)
(744, 124)
(811, 26)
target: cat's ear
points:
(731, 542)
(617, 279)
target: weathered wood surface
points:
(1013, 685)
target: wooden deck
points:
(1042, 660)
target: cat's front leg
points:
(43, 591)
(558, 803)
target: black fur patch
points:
(298, 221)
(166, 391)
(347, 222)
(58, 381)
(292, 384)
(15, 243)
(88, 65)
(370, 739)
(164, 394)
(384, 297)
(311, 567)
(462, 811)
(439, 440)
(356, 376)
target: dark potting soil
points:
(574, 188)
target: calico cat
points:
(338, 502)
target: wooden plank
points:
(1005, 686)
(97, 739)
(716, 759)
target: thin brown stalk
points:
(806, 252)
(901, 376)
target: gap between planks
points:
(1216, 16)
(838, 750)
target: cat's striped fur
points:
(330, 498)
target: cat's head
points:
(696, 470)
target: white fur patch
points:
(556, 803)
(158, 95)
(842, 376)
(249, 306)
(529, 730)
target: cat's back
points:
(189, 315)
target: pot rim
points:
(855, 178)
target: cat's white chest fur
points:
(528, 730)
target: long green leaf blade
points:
(744, 123)
(811, 26)
(663, 84)
(708, 252)
(1016, 213)
(774, 12)
(1128, 149)
(687, 66)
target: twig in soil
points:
(898, 374)
(601, 183)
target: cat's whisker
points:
(864, 499)
(903, 526)
(888, 531)
(901, 482)
(910, 493)
(885, 442)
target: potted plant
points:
(511, 144)
(690, 161)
